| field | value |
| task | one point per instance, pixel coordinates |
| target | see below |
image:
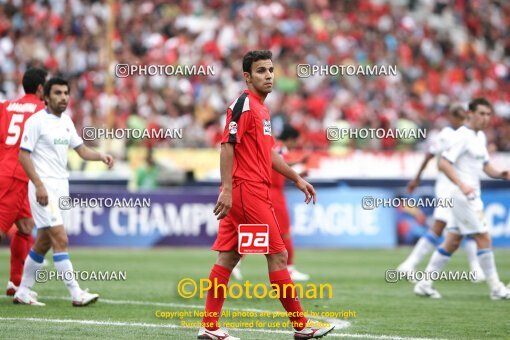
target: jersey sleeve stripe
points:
(25, 149)
(77, 146)
(236, 115)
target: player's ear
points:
(247, 77)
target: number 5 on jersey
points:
(14, 131)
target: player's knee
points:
(279, 260)
(228, 259)
(60, 243)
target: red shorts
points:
(251, 204)
(14, 203)
(280, 209)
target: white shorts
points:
(468, 216)
(444, 214)
(442, 190)
(51, 215)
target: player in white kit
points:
(442, 215)
(43, 155)
(462, 163)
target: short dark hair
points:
(54, 81)
(32, 78)
(473, 105)
(289, 132)
(456, 110)
(253, 56)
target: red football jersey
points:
(13, 115)
(248, 127)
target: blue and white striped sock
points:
(65, 269)
(33, 263)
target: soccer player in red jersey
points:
(246, 161)
(14, 205)
(287, 141)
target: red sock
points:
(20, 246)
(215, 303)
(291, 304)
(290, 250)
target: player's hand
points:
(308, 189)
(41, 195)
(468, 191)
(223, 205)
(108, 160)
(412, 185)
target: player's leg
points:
(218, 278)
(21, 243)
(64, 267)
(279, 275)
(283, 218)
(226, 244)
(33, 263)
(438, 261)
(471, 251)
(488, 264)
(425, 245)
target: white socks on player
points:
(425, 244)
(471, 251)
(438, 261)
(33, 263)
(65, 268)
(488, 264)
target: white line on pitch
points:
(152, 325)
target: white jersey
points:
(440, 144)
(48, 138)
(468, 154)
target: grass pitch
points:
(127, 309)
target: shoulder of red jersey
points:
(25, 104)
(240, 104)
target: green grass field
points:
(383, 310)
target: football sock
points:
(33, 263)
(424, 245)
(471, 252)
(288, 298)
(215, 296)
(488, 264)
(438, 260)
(64, 267)
(20, 247)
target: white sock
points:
(424, 245)
(488, 264)
(65, 267)
(33, 263)
(471, 249)
(437, 262)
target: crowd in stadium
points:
(445, 51)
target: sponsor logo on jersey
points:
(60, 141)
(267, 127)
(232, 128)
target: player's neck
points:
(471, 127)
(261, 96)
(53, 112)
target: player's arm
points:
(280, 166)
(226, 163)
(28, 166)
(492, 172)
(447, 168)
(416, 180)
(89, 154)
